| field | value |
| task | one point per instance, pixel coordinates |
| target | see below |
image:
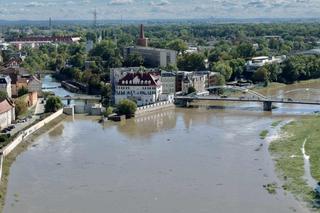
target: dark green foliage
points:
(53, 104)
(22, 91)
(127, 107)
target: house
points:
(255, 63)
(35, 42)
(13, 62)
(7, 113)
(142, 87)
(20, 78)
(117, 73)
(185, 80)
(5, 85)
(168, 80)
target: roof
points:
(140, 79)
(5, 106)
(48, 39)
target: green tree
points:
(53, 104)
(134, 60)
(245, 50)
(126, 107)
(224, 69)
(261, 75)
(191, 62)
(191, 90)
(22, 91)
(106, 94)
(177, 45)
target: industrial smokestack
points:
(141, 31)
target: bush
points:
(22, 91)
(191, 90)
(53, 104)
(126, 107)
(108, 112)
(21, 107)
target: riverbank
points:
(289, 160)
(11, 157)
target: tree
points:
(22, 91)
(127, 107)
(261, 75)
(224, 69)
(53, 104)
(134, 60)
(191, 90)
(245, 50)
(21, 107)
(106, 94)
(191, 62)
(177, 45)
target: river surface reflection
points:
(180, 160)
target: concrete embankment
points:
(24, 135)
(154, 107)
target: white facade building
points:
(257, 62)
(7, 113)
(143, 88)
(5, 85)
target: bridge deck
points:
(211, 98)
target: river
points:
(181, 160)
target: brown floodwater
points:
(189, 160)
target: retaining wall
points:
(154, 107)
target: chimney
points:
(141, 31)
(142, 41)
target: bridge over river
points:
(248, 96)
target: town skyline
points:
(163, 9)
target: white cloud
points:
(120, 2)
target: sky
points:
(157, 9)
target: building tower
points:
(142, 41)
(95, 14)
(50, 23)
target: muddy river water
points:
(188, 160)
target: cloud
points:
(159, 3)
(120, 2)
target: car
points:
(11, 127)
(223, 96)
(4, 131)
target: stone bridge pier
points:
(267, 106)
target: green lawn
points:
(288, 157)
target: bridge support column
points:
(267, 106)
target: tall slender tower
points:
(95, 14)
(50, 23)
(142, 41)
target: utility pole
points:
(95, 14)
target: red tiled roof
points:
(144, 79)
(5, 106)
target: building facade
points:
(143, 88)
(153, 57)
(168, 80)
(7, 113)
(5, 85)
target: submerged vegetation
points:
(289, 160)
(264, 134)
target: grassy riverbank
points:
(288, 157)
(14, 154)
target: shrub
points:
(53, 104)
(127, 107)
